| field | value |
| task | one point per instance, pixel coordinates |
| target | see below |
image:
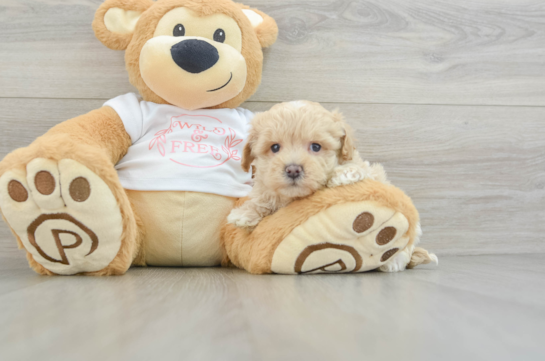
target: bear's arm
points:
(102, 128)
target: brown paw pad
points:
(80, 189)
(388, 254)
(363, 222)
(45, 183)
(385, 236)
(17, 191)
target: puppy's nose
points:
(194, 56)
(294, 171)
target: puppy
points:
(298, 148)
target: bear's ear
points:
(264, 26)
(115, 21)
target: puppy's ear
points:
(347, 140)
(115, 21)
(247, 157)
(265, 27)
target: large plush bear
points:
(150, 179)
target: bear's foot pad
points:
(64, 214)
(348, 237)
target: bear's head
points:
(190, 53)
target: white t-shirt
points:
(178, 149)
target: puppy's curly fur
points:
(298, 148)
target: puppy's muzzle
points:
(194, 56)
(294, 171)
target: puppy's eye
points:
(179, 30)
(219, 36)
(315, 147)
(275, 148)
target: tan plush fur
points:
(116, 41)
(267, 31)
(308, 137)
(254, 251)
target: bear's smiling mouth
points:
(223, 86)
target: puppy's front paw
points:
(243, 219)
(345, 175)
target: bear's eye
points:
(315, 147)
(275, 148)
(179, 30)
(219, 36)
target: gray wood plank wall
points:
(450, 96)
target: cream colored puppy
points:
(298, 148)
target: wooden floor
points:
(470, 308)
(448, 95)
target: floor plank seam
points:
(347, 103)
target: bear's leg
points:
(181, 228)
(68, 218)
(348, 237)
(354, 228)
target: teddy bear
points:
(149, 179)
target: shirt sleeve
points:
(128, 108)
(246, 115)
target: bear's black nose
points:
(194, 56)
